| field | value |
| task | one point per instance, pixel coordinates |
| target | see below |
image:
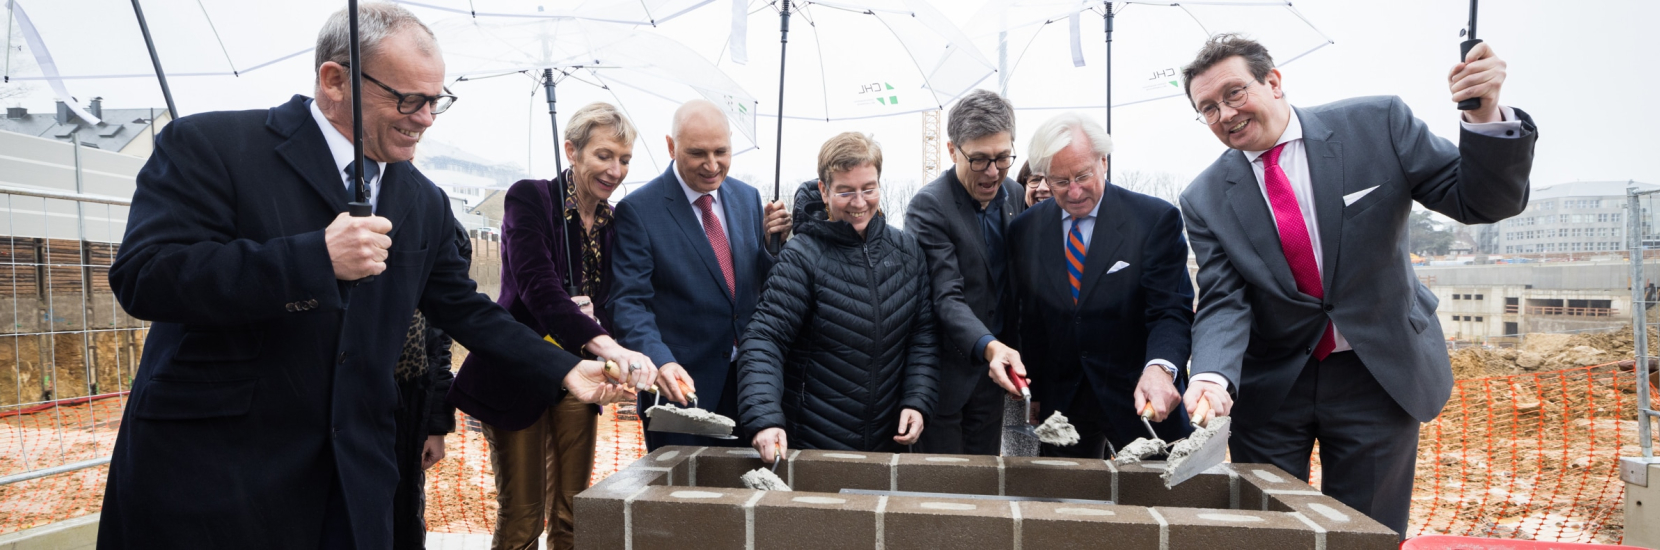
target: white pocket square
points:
(1116, 267)
(1355, 196)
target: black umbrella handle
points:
(1464, 48)
(775, 243)
(361, 210)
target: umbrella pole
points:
(559, 170)
(166, 93)
(360, 205)
(1108, 18)
(1464, 47)
(776, 242)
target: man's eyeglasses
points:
(980, 164)
(409, 104)
(1055, 184)
(1234, 99)
(868, 194)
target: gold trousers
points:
(539, 470)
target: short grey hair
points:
(979, 114)
(375, 22)
(1057, 133)
(580, 130)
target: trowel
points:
(674, 419)
(1142, 447)
(1200, 451)
(1028, 419)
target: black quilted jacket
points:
(843, 337)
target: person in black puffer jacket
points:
(842, 351)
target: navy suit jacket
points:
(668, 297)
(264, 380)
(1123, 319)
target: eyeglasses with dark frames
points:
(410, 104)
(980, 164)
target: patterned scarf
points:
(590, 239)
(412, 361)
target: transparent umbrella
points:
(1046, 47)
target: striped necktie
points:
(1075, 251)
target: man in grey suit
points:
(961, 220)
(1309, 311)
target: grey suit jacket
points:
(1256, 329)
(941, 217)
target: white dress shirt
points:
(715, 204)
(1086, 230)
(341, 147)
(1294, 161)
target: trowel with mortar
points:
(1142, 447)
(1054, 431)
(1202, 450)
(762, 479)
(674, 419)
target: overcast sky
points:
(1582, 69)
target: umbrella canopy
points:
(1052, 50)
(595, 61)
(847, 59)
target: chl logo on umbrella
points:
(877, 88)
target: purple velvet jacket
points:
(533, 273)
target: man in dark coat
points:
(261, 415)
(1105, 302)
(962, 221)
(689, 263)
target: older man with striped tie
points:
(1105, 302)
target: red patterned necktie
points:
(717, 240)
(1294, 240)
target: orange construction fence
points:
(1530, 457)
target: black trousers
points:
(727, 407)
(1368, 444)
(1093, 429)
(975, 429)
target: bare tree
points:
(1163, 185)
(896, 197)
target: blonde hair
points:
(846, 151)
(580, 130)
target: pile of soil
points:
(1549, 352)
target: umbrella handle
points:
(775, 243)
(1464, 48)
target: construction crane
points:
(930, 145)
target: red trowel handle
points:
(1018, 380)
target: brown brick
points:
(598, 511)
(1345, 527)
(1257, 480)
(1025, 476)
(1141, 485)
(722, 467)
(1213, 529)
(832, 471)
(914, 523)
(1061, 526)
(676, 458)
(961, 474)
(791, 520)
(689, 517)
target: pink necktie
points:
(1294, 240)
(717, 240)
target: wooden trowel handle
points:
(1147, 411)
(1200, 413)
